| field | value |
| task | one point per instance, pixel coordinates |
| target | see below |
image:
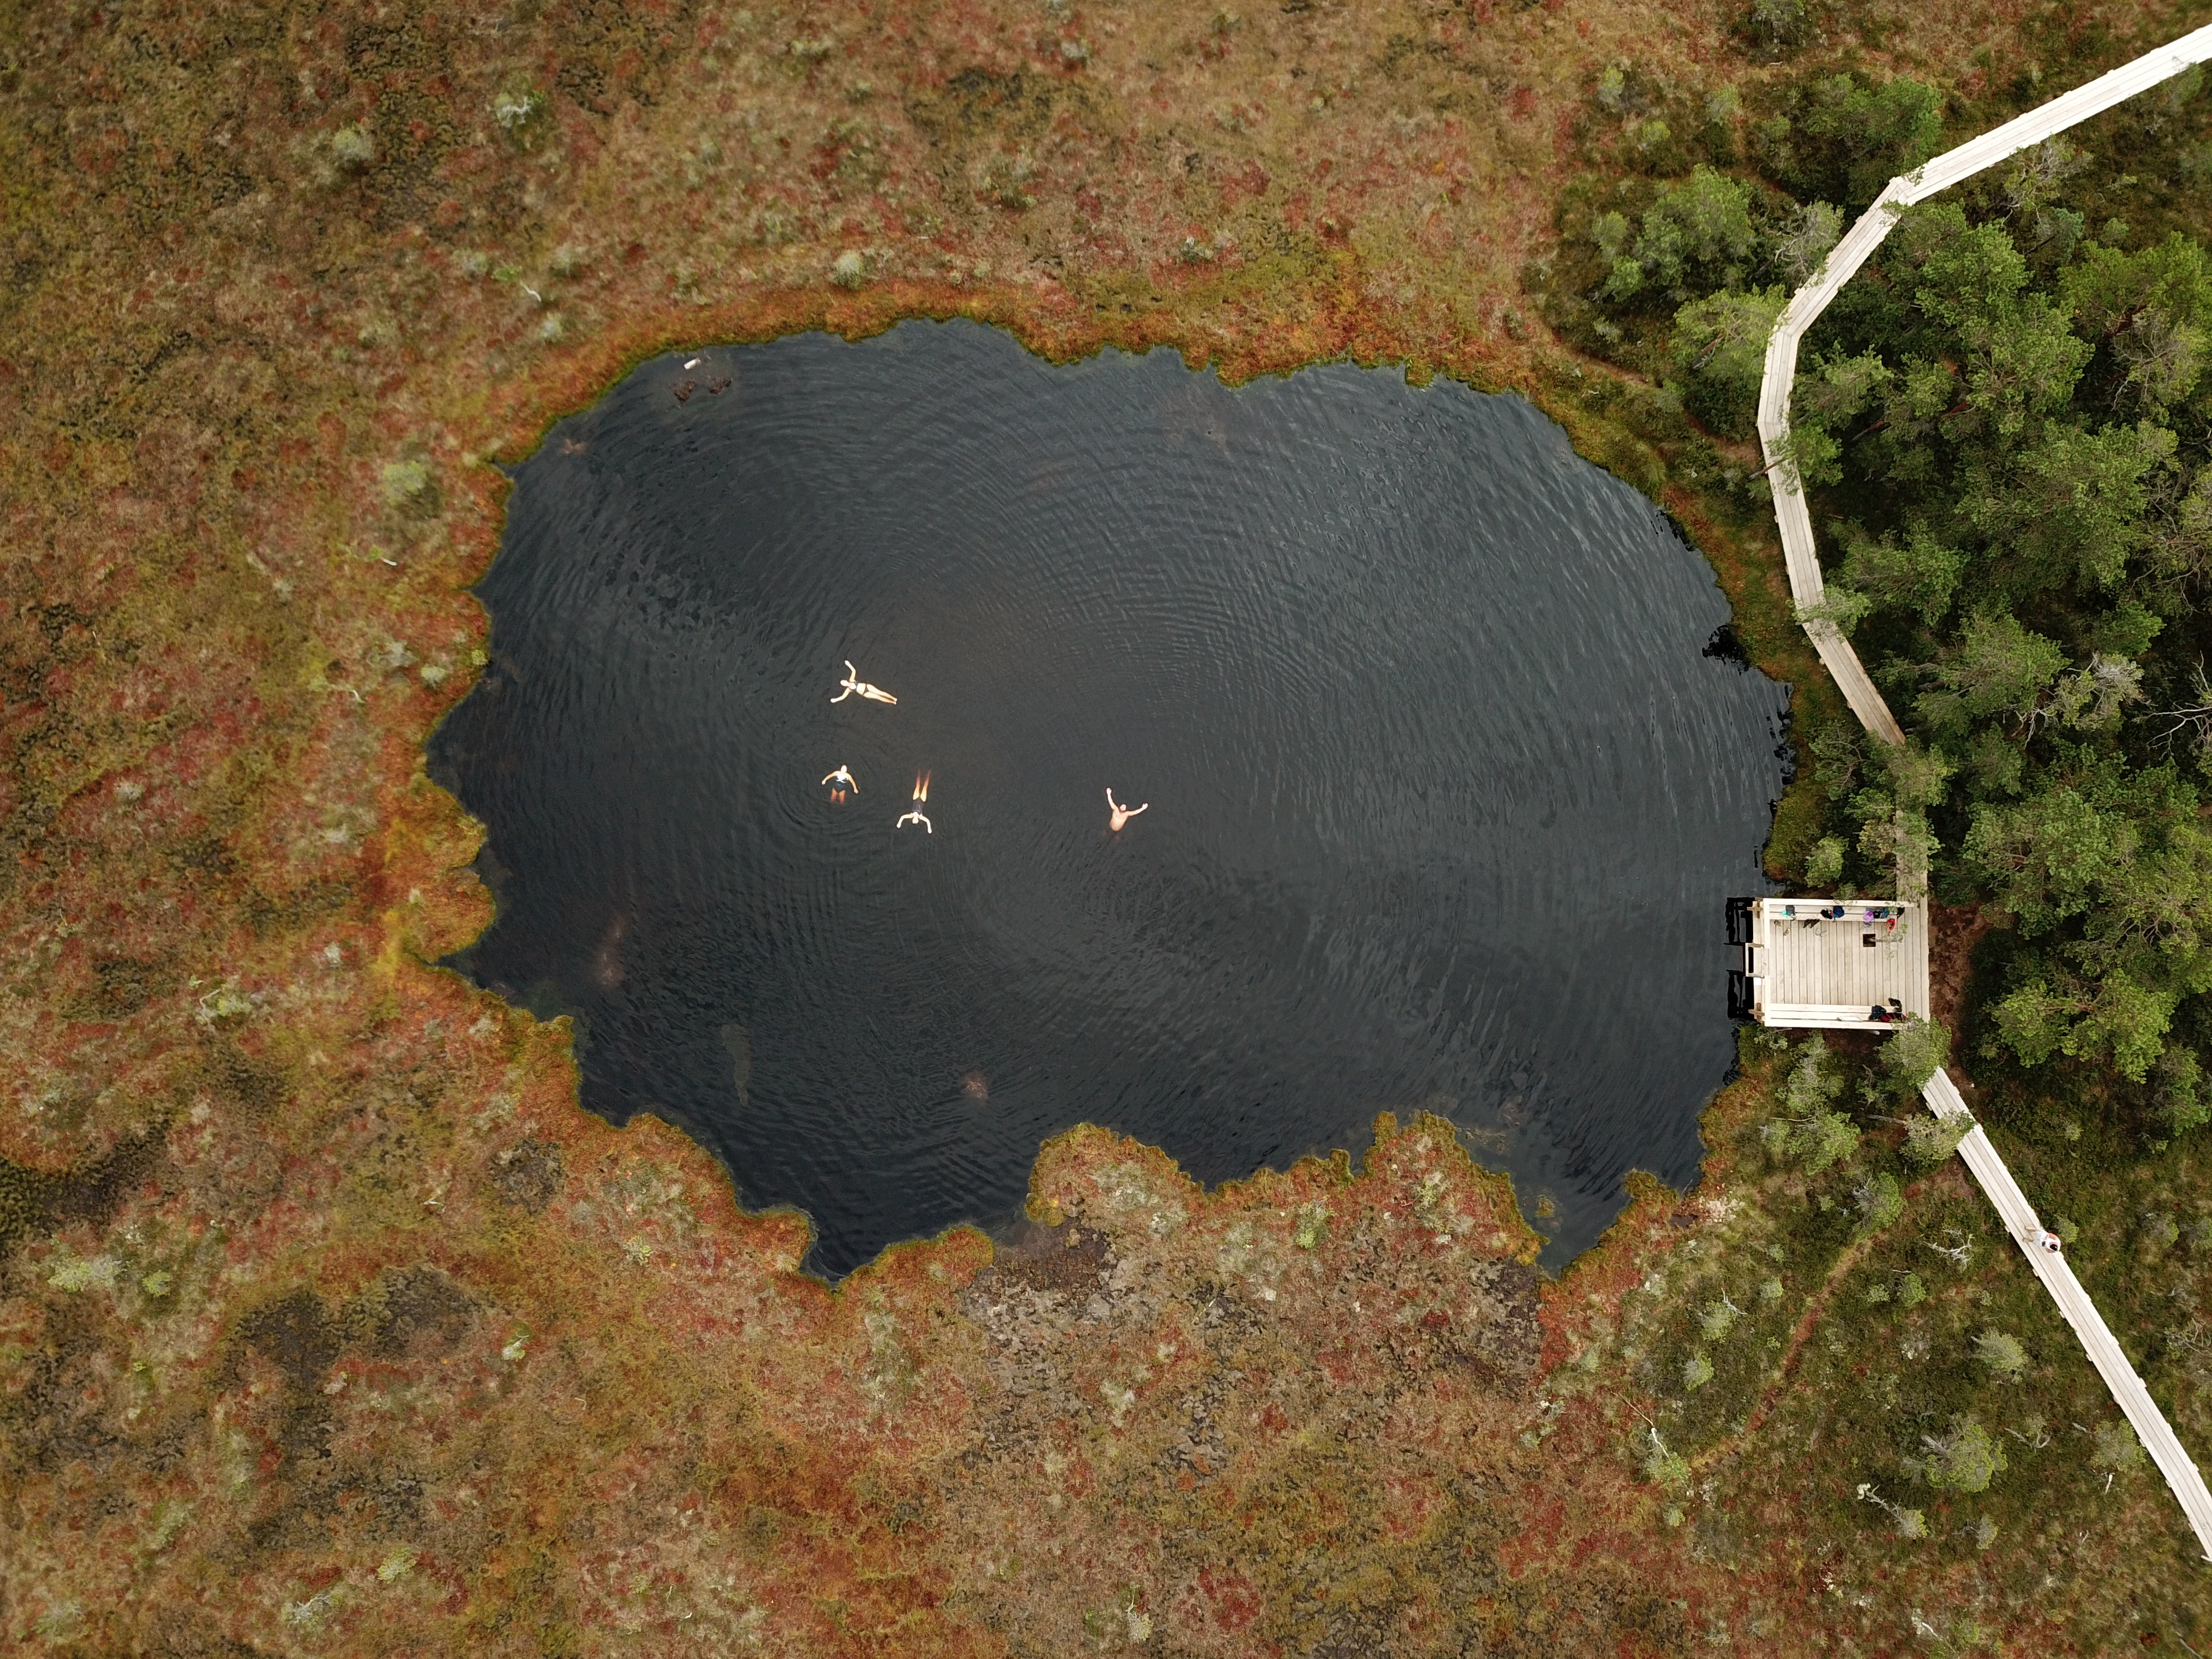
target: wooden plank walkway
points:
(1805, 305)
(1842, 662)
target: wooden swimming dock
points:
(1832, 964)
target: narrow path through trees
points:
(1842, 662)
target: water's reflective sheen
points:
(1445, 793)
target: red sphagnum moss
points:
(329, 1323)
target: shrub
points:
(1930, 1139)
(1776, 24)
(2156, 1231)
(514, 111)
(406, 484)
(1697, 235)
(1720, 347)
(352, 147)
(1824, 865)
(2114, 1446)
(2004, 1357)
(1718, 1319)
(1879, 1202)
(1915, 1053)
(1965, 1458)
(2177, 1080)
(1918, 576)
(1839, 138)
(1804, 247)
(1663, 1467)
(1811, 1132)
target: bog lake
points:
(1448, 778)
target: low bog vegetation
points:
(1848, 1340)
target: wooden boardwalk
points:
(1843, 264)
(1842, 662)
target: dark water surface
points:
(1446, 793)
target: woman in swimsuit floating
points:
(855, 686)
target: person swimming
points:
(842, 775)
(855, 686)
(920, 793)
(1121, 815)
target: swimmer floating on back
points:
(855, 686)
(1122, 814)
(920, 793)
(843, 775)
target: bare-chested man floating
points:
(1122, 814)
(855, 686)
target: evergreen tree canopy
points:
(2009, 456)
(1841, 138)
(2002, 421)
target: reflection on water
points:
(1445, 795)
